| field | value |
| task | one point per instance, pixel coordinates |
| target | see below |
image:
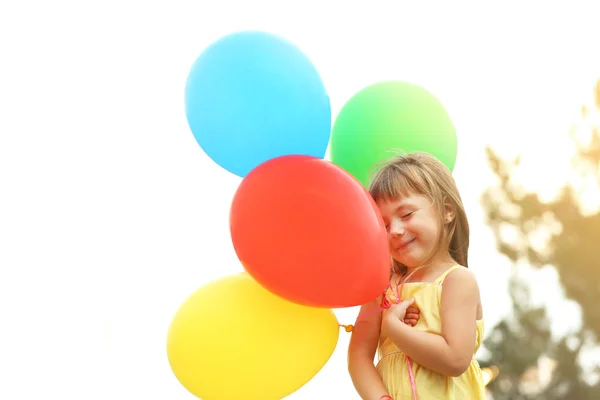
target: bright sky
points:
(111, 215)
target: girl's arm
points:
(361, 353)
(451, 352)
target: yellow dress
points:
(430, 385)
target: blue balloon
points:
(253, 96)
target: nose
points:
(396, 228)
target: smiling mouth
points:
(404, 245)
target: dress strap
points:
(443, 276)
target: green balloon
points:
(388, 117)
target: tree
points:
(572, 247)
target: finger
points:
(406, 303)
(411, 322)
(411, 316)
(413, 310)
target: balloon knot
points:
(348, 328)
(385, 303)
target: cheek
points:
(426, 230)
(390, 241)
(437, 233)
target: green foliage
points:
(573, 248)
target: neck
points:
(438, 263)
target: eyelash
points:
(387, 226)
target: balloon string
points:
(413, 386)
(385, 304)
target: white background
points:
(111, 215)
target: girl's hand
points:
(412, 316)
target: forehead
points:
(410, 200)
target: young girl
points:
(428, 235)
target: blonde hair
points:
(423, 174)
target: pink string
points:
(385, 303)
(413, 386)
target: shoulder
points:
(461, 280)
(460, 273)
(461, 300)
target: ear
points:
(449, 212)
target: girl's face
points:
(413, 227)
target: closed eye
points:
(407, 215)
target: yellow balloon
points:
(233, 339)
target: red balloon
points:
(309, 232)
